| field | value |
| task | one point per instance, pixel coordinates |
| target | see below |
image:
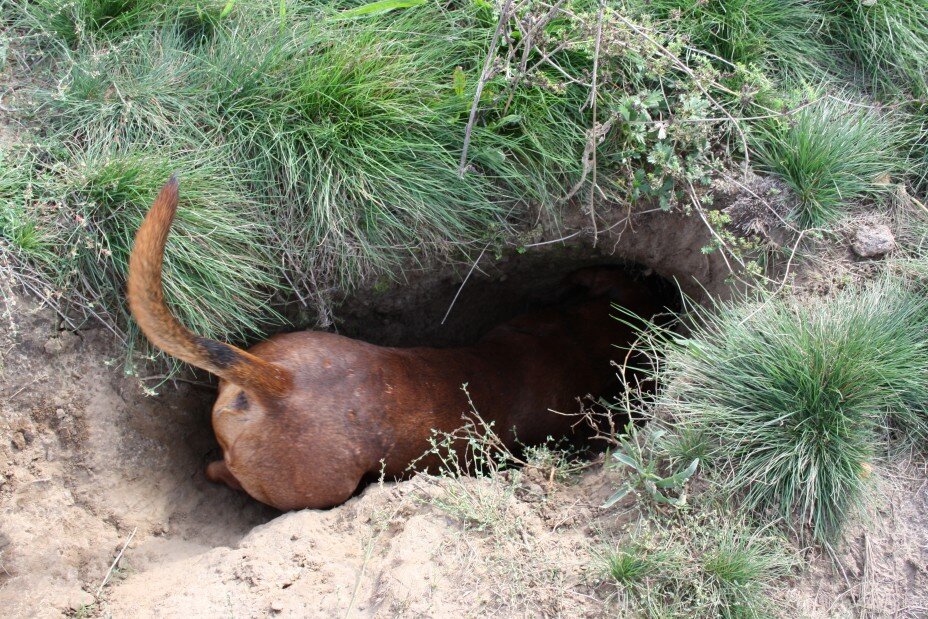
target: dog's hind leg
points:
(217, 472)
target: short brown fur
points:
(303, 417)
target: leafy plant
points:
(635, 452)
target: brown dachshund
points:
(303, 417)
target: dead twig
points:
(109, 572)
(504, 16)
(461, 287)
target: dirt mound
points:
(89, 458)
(93, 461)
(393, 551)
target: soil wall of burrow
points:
(454, 304)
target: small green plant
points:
(796, 395)
(635, 451)
(484, 504)
(831, 153)
(632, 564)
(23, 229)
(705, 565)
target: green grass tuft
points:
(23, 230)
(887, 40)
(795, 395)
(630, 565)
(217, 264)
(831, 153)
(74, 23)
(778, 35)
(705, 565)
(354, 127)
(141, 90)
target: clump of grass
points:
(23, 230)
(795, 395)
(355, 126)
(831, 153)
(778, 35)
(738, 564)
(72, 23)
(705, 565)
(217, 273)
(888, 41)
(633, 563)
(138, 91)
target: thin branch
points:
(461, 287)
(484, 77)
(594, 137)
(115, 561)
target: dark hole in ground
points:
(411, 314)
(666, 249)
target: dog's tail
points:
(146, 301)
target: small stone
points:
(873, 241)
(533, 488)
(79, 600)
(19, 440)
(277, 606)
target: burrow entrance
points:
(140, 459)
(453, 305)
(127, 461)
